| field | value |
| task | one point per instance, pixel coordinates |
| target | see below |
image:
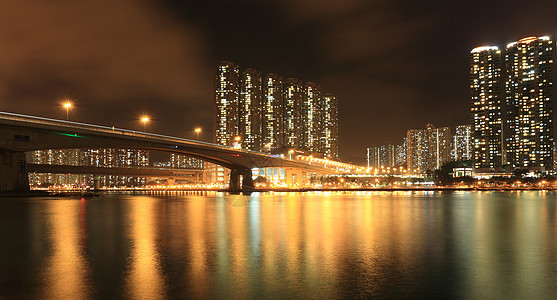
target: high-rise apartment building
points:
(272, 113)
(529, 103)
(311, 116)
(462, 143)
(428, 149)
(249, 110)
(328, 138)
(381, 157)
(487, 123)
(293, 128)
(226, 103)
(401, 155)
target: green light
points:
(70, 134)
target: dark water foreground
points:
(415, 245)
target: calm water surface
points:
(457, 245)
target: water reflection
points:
(66, 269)
(286, 245)
(145, 275)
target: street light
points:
(290, 153)
(67, 106)
(237, 144)
(197, 131)
(145, 120)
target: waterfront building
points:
(400, 155)
(428, 149)
(529, 103)
(105, 158)
(292, 118)
(179, 161)
(381, 157)
(328, 127)
(272, 134)
(311, 117)
(249, 110)
(273, 115)
(226, 103)
(487, 123)
(462, 143)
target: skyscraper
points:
(249, 109)
(272, 115)
(311, 117)
(328, 127)
(487, 124)
(272, 112)
(226, 103)
(292, 122)
(428, 149)
(462, 143)
(529, 108)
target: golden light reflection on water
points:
(373, 244)
(145, 276)
(66, 275)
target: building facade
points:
(293, 113)
(487, 122)
(462, 143)
(249, 126)
(104, 158)
(428, 149)
(226, 103)
(272, 112)
(267, 113)
(529, 103)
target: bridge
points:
(23, 133)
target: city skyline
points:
(399, 59)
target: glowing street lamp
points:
(145, 120)
(197, 132)
(67, 106)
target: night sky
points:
(393, 64)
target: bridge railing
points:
(111, 130)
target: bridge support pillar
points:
(13, 172)
(247, 181)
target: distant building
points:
(179, 161)
(249, 110)
(311, 117)
(328, 127)
(428, 149)
(227, 82)
(462, 143)
(104, 157)
(529, 103)
(401, 155)
(487, 123)
(267, 113)
(293, 126)
(381, 157)
(272, 112)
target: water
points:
(414, 245)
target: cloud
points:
(100, 52)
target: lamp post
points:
(67, 106)
(197, 131)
